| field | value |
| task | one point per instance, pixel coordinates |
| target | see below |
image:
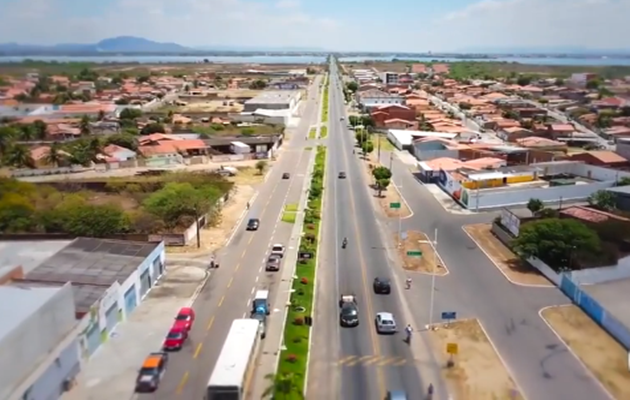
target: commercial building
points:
(57, 311)
(274, 100)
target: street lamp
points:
(435, 262)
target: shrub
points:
(298, 321)
(304, 281)
(292, 358)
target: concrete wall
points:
(426, 155)
(580, 169)
(50, 385)
(276, 120)
(28, 346)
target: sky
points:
(349, 25)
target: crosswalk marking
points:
(373, 360)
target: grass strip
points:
(325, 102)
(288, 217)
(323, 132)
(312, 133)
(291, 372)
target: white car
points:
(385, 323)
(278, 250)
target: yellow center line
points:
(221, 301)
(182, 383)
(198, 350)
(373, 337)
(210, 323)
(230, 282)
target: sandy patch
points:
(249, 176)
(212, 238)
(503, 258)
(429, 262)
(601, 354)
(477, 372)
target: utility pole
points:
(435, 263)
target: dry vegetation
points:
(429, 263)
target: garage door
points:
(156, 268)
(93, 339)
(111, 317)
(131, 300)
(145, 283)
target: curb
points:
(588, 371)
(532, 285)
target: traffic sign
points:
(452, 348)
(414, 253)
(394, 205)
(449, 315)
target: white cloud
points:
(188, 22)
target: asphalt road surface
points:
(370, 364)
(541, 365)
(229, 291)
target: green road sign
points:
(414, 253)
(394, 205)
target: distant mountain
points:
(122, 44)
(576, 50)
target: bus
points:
(236, 362)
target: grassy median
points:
(325, 103)
(294, 359)
(323, 132)
(312, 134)
(290, 213)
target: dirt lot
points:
(213, 238)
(248, 176)
(477, 373)
(390, 195)
(211, 106)
(601, 354)
(427, 262)
(503, 258)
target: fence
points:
(598, 313)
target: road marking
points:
(198, 350)
(182, 383)
(230, 282)
(237, 267)
(258, 277)
(253, 289)
(210, 323)
(221, 301)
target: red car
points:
(185, 318)
(175, 338)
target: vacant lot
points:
(510, 264)
(601, 354)
(212, 106)
(477, 372)
(429, 262)
(388, 196)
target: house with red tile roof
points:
(601, 158)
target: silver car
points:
(385, 323)
(273, 263)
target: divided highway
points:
(229, 291)
(368, 365)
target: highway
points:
(541, 364)
(229, 291)
(367, 364)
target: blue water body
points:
(305, 60)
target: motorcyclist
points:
(408, 282)
(408, 330)
(344, 243)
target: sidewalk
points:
(112, 370)
(267, 362)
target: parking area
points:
(112, 370)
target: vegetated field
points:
(294, 359)
(214, 130)
(146, 205)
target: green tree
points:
(361, 136)
(381, 173)
(94, 220)
(84, 125)
(19, 156)
(7, 136)
(176, 200)
(367, 147)
(625, 181)
(130, 113)
(16, 213)
(258, 84)
(55, 155)
(593, 84)
(153, 128)
(261, 166)
(524, 80)
(283, 387)
(352, 86)
(40, 128)
(556, 241)
(124, 139)
(603, 199)
(535, 205)
(382, 184)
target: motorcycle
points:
(344, 244)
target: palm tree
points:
(19, 156)
(7, 135)
(84, 125)
(283, 386)
(55, 155)
(94, 148)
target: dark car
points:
(349, 315)
(273, 263)
(151, 373)
(342, 175)
(382, 286)
(253, 224)
(286, 175)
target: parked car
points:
(152, 372)
(185, 318)
(176, 337)
(385, 323)
(253, 224)
(382, 286)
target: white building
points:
(377, 98)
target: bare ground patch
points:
(248, 176)
(388, 196)
(429, 262)
(503, 258)
(212, 238)
(601, 354)
(478, 372)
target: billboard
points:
(453, 187)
